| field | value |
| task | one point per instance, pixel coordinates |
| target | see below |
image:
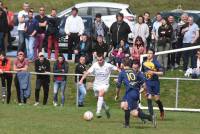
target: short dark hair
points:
(100, 55)
(140, 16)
(120, 14)
(30, 11)
(2, 53)
(146, 12)
(136, 62)
(75, 9)
(53, 9)
(98, 15)
(152, 50)
(126, 62)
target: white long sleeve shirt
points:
(74, 25)
(141, 30)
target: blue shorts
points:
(153, 87)
(132, 97)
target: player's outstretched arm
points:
(83, 77)
(117, 94)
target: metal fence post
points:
(177, 90)
(77, 89)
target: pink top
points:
(136, 52)
(20, 64)
(120, 55)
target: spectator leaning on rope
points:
(60, 66)
(42, 65)
(20, 65)
(53, 33)
(42, 20)
(74, 28)
(164, 41)
(119, 30)
(191, 34)
(6, 78)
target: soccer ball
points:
(88, 116)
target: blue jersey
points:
(131, 79)
(153, 65)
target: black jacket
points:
(53, 26)
(3, 21)
(42, 67)
(80, 68)
(167, 31)
(119, 31)
(64, 67)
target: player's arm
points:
(84, 76)
(119, 83)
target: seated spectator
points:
(118, 56)
(42, 65)
(81, 69)
(31, 27)
(100, 48)
(20, 65)
(125, 48)
(138, 49)
(164, 41)
(60, 66)
(82, 49)
(6, 78)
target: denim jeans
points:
(1, 41)
(30, 42)
(59, 85)
(38, 44)
(21, 40)
(81, 93)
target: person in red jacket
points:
(6, 78)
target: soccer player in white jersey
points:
(101, 70)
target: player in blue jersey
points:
(152, 69)
(133, 79)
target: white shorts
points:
(97, 87)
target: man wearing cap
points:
(74, 28)
(119, 30)
(42, 65)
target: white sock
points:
(99, 104)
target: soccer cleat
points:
(162, 115)
(55, 104)
(154, 121)
(98, 115)
(36, 104)
(107, 110)
(126, 126)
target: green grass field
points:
(68, 120)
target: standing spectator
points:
(119, 30)
(22, 18)
(31, 27)
(7, 36)
(6, 78)
(20, 65)
(53, 33)
(138, 49)
(191, 34)
(181, 25)
(164, 41)
(74, 28)
(42, 20)
(174, 40)
(141, 29)
(42, 65)
(3, 26)
(83, 48)
(60, 66)
(81, 69)
(99, 27)
(147, 20)
(156, 26)
(100, 48)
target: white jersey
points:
(102, 73)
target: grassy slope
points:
(138, 6)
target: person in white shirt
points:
(74, 28)
(156, 26)
(101, 70)
(22, 18)
(141, 29)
